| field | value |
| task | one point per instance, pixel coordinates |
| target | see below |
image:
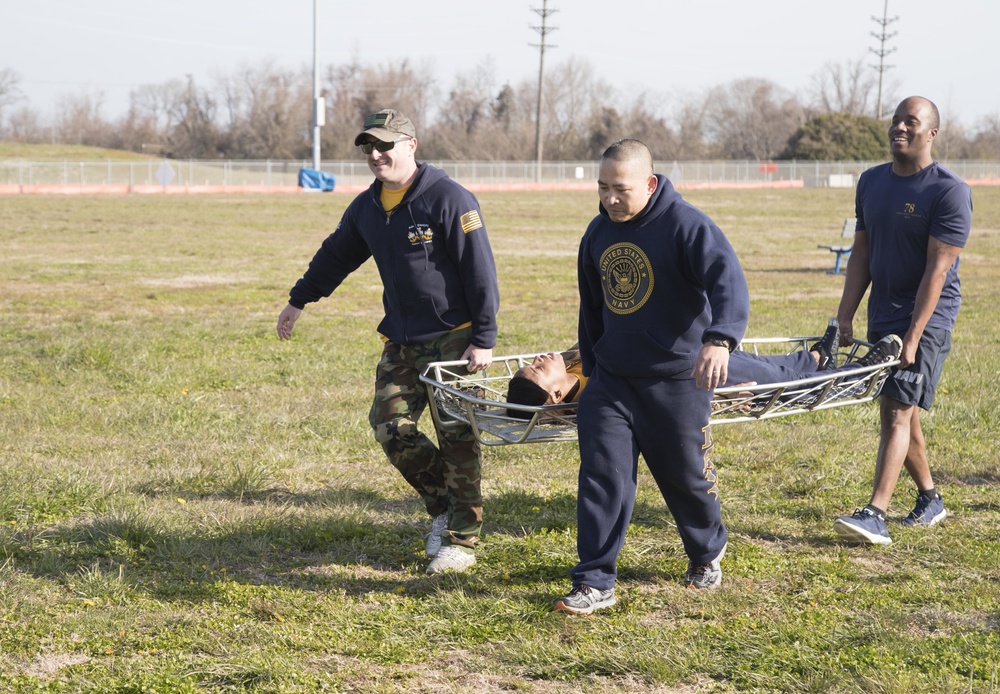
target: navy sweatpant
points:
(745, 367)
(667, 422)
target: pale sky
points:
(943, 50)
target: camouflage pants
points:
(446, 476)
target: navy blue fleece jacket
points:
(655, 288)
(433, 256)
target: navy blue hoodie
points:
(655, 288)
(433, 256)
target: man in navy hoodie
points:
(659, 282)
(440, 294)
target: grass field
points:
(188, 505)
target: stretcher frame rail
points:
(479, 400)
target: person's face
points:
(394, 167)
(625, 188)
(548, 371)
(911, 134)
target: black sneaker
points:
(827, 347)
(882, 352)
(928, 511)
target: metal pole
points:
(882, 36)
(319, 109)
(538, 109)
(542, 31)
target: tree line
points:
(265, 112)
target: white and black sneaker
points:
(585, 600)
(882, 352)
(705, 576)
(827, 347)
(864, 526)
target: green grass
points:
(188, 505)
(35, 152)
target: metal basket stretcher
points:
(479, 400)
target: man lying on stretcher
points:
(557, 377)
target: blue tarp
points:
(311, 178)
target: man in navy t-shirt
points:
(913, 218)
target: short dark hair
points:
(522, 391)
(936, 122)
(631, 150)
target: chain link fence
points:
(194, 173)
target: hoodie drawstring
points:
(423, 242)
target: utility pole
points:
(319, 104)
(543, 31)
(882, 52)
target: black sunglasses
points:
(366, 147)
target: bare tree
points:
(402, 86)
(638, 120)
(24, 124)
(9, 92)
(79, 121)
(514, 112)
(341, 83)
(470, 99)
(194, 132)
(153, 102)
(268, 111)
(354, 91)
(466, 119)
(265, 112)
(752, 119)
(571, 96)
(605, 126)
(985, 144)
(690, 117)
(481, 121)
(844, 88)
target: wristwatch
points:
(722, 342)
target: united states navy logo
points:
(626, 278)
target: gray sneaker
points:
(438, 527)
(705, 576)
(585, 600)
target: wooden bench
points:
(843, 251)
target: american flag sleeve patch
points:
(471, 221)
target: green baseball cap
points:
(386, 125)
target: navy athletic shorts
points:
(916, 384)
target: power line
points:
(543, 31)
(882, 51)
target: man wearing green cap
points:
(440, 293)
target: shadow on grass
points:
(350, 540)
(342, 495)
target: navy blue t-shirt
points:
(900, 213)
